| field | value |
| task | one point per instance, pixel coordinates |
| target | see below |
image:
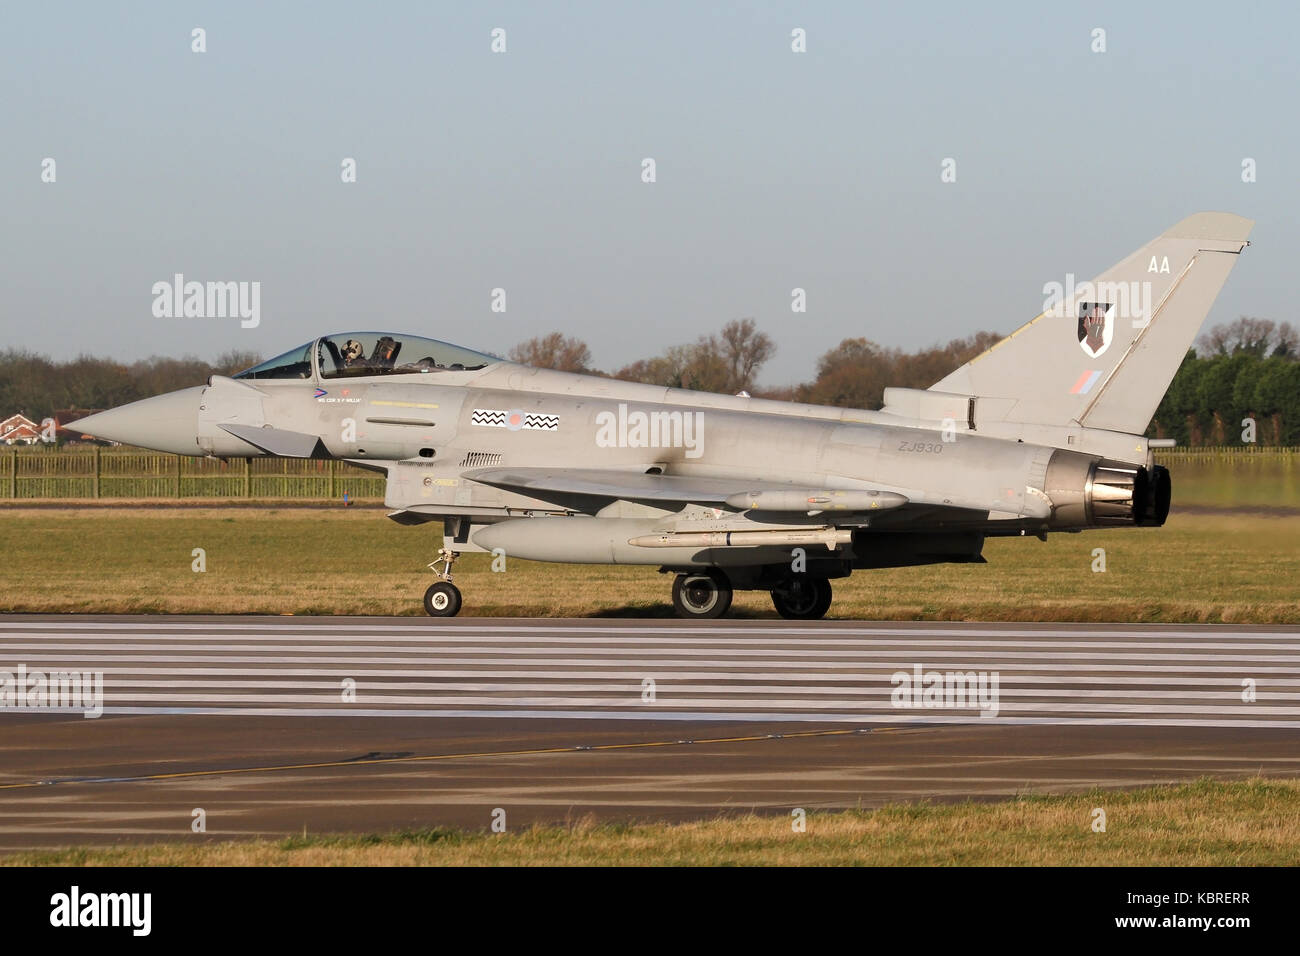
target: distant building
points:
(71, 436)
(19, 430)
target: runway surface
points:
(273, 724)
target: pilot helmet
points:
(351, 350)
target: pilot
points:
(352, 353)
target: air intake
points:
(480, 459)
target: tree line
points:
(854, 374)
(1239, 385)
(1243, 371)
(37, 386)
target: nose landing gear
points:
(442, 599)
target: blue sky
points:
(522, 170)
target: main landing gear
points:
(701, 594)
(443, 598)
(705, 594)
(802, 598)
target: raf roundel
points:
(515, 419)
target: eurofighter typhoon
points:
(1041, 433)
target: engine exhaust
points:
(1098, 493)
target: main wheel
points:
(803, 599)
(442, 599)
(701, 594)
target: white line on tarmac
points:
(629, 684)
(1041, 678)
(675, 701)
(1247, 666)
(637, 675)
(703, 716)
(707, 632)
(555, 645)
(543, 653)
(704, 638)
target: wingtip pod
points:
(1220, 226)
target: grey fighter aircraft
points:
(1041, 433)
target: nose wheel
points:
(442, 599)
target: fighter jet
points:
(1042, 433)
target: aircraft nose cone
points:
(167, 423)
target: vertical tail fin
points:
(1105, 351)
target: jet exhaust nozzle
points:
(1125, 494)
(1098, 493)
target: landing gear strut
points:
(443, 598)
(701, 594)
(802, 598)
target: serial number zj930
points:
(934, 448)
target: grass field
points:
(1232, 567)
(1244, 481)
(1202, 824)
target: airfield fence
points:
(98, 472)
(1226, 452)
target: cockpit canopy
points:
(354, 354)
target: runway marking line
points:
(329, 764)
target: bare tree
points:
(1245, 334)
(228, 363)
(553, 351)
(1287, 341)
(744, 350)
(727, 362)
(856, 372)
(852, 375)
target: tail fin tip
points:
(1221, 226)
(1103, 354)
